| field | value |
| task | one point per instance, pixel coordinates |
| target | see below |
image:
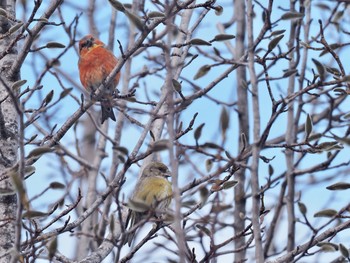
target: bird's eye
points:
(162, 169)
(88, 43)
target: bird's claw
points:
(128, 95)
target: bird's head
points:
(156, 169)
(88, 42)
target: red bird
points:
(96, 62)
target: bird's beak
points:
(89, 43)
(167, 173)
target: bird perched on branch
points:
(95, 64)
(153, 192)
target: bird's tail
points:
(132, 218)
(107, 112)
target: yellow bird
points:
(152, 191)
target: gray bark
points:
(8, 137)
(243, 121)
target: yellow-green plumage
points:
(153, 190)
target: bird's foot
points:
(130, 94)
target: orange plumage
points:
(96, 62)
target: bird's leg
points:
(115, 94)
(93, 96)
